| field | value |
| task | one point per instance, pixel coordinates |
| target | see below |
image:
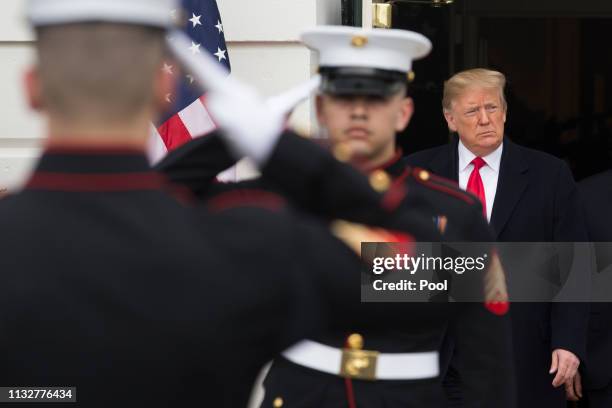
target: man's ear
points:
(319, 108)
(404, 114)
(450, 120)
(31, 82)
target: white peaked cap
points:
(343, 46)
(156, 13)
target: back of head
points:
(473, 78)
(98, 70)
(98, 58)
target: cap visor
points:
(361, 86)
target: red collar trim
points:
(246, 198)
(92, 150)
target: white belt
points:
(384, 366)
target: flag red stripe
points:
(174, 133)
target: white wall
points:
(263, 46)
(20, 130)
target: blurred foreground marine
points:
(114, 285)
(362, 105)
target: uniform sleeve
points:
(315, 181)
(313, 178)
(195, 165)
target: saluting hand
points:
(565, 364)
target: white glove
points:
(251, 125)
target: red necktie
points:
(475, 185)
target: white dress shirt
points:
(489, 172)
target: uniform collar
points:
(73, 168)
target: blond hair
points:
(98, 70)
(477, 77)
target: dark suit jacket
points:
(536, 200)
(596, 192)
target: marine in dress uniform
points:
(310, 374)
(114, 284)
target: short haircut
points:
(98, 70)
(477, 77)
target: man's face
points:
(478, 116)
(366, 124)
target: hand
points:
(252, 125)
(565, 364)
(573, 389)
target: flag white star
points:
(220, 54)
(195, 48)
(195, 20)
(167, 68)
(190, 78)
(219, 26)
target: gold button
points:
(411, 76)
(343, 152)
(278, 402)
(380, 181)
(355, 341)
(359, 41)
(424, 175)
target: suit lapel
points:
(445, 162)
(512, 183)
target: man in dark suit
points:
(596, 193)
(527, 196)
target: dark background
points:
(556, 55)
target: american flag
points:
(187, 116)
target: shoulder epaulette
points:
(495, 289)
(441, 184)
(353, 235)
(247, 198)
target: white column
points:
(20, 129)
